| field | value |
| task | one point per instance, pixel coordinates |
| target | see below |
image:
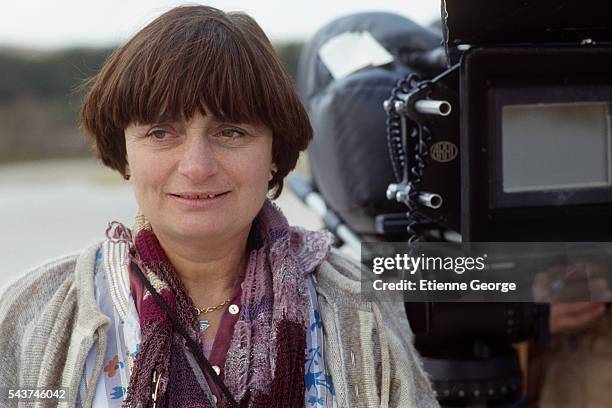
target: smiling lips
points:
(198, 196)
(199, 200)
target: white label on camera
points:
(352, 51)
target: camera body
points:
(523, 148)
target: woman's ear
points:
(126, 173)
(273, 170)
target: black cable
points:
(195, 349)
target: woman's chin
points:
(200, 231)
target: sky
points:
(44, 24)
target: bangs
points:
(209, 68)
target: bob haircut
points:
(196, 59)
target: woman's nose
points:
(198, 160)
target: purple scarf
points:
(265, 361)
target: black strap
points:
(193, 346)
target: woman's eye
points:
(232, 133)
(159, 134)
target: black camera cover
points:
(349, 158)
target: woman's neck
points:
(208, 273)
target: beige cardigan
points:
(49, 321)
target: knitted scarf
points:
(265, 362)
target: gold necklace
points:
(205, 310)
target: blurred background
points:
(55, 198)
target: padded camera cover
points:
(349, 158)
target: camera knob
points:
(399, 107)
(401, 196)
(391, 191)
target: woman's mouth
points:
(199, 200)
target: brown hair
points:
(190, 59)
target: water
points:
(50, 209)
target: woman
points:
(211, 299)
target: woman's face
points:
(203, 179)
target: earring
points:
(126, 176)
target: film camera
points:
(513, 141)
(499, 128)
